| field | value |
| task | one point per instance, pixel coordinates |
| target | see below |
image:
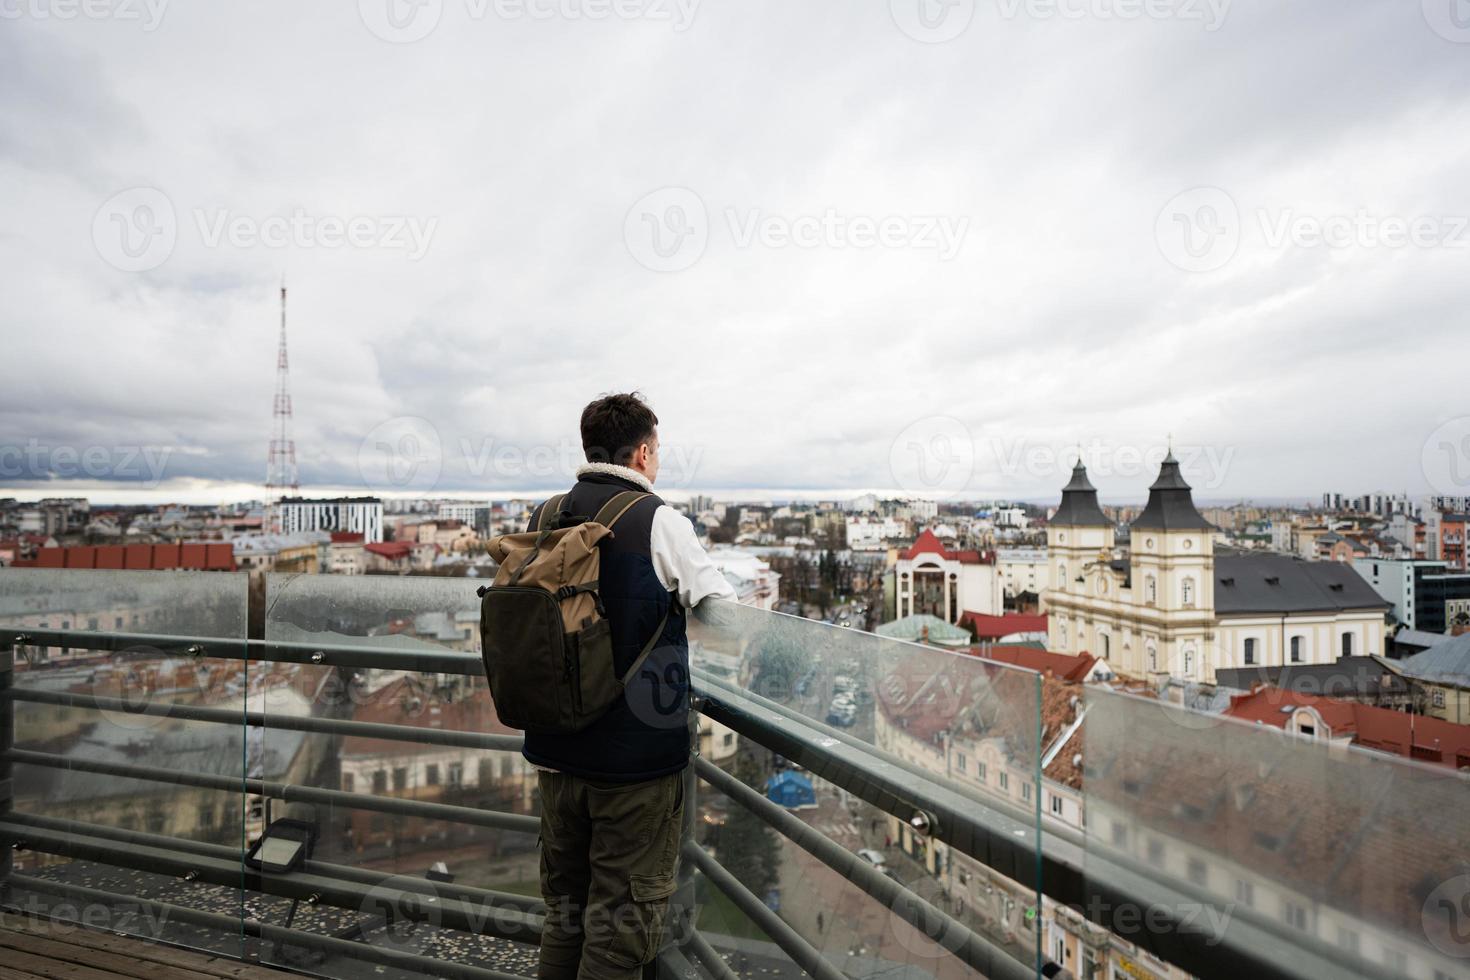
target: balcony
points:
(1024, 825)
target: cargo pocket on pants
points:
(650, 895)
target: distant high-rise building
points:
(363, 515)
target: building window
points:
(1188, 661)
(1005, 780)
(347, 782)
(1347, 939)
(400, 780)
(1295, 915)
(1153, 659)
(456, 773)
(1296, 649)
(980, 771)
(1245, 893)
(380, 782)
(1026, 791)
(432, 775)
(1186, 592)
(1436, 697)
(1198, 873)
(1106, 643)
(959, 762)
(1120, 834)
(1250, 651)
(1056, 804)
(206, 818)
(1155, 851)
(1347, 644)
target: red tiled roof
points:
(347, 537)
(929, 543)
(200, 556)
(1063, 666)
(987, 627)
(406, 701)
(1431, 740)
(390, 549)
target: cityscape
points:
(678, 490)
(1345, 623)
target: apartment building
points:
(363, 515)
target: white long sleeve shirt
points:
(679, 560)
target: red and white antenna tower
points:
(280, 471)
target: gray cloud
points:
(527, 143)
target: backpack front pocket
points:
(595, 684)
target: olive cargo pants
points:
(609, 852)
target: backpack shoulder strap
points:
(553, 507)
(619, 505)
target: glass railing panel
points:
(466, 835)
(459, 826)
(104, 721)
(858, 736)
(1322, 859)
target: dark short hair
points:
(614, 426)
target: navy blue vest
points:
(646, 733)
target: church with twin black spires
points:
(1167, 604)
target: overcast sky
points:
(838, 245)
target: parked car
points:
(873, 857)
(842, 714)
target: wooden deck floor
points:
(37, 949)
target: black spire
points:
(1079, 507)
(1170, 505)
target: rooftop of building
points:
(1170, 504)
(1346, 677)
(928, 543)
(925, 628)
(1248, 583)
(988, 627)
(1079, 506)
(1419, 737)
(1447, 661)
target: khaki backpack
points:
(543, 632)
